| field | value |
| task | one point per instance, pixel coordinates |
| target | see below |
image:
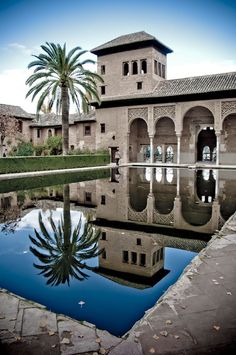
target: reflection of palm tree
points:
(63, 253)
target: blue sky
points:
(201, 33)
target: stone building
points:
(151, 118)
(147, 116)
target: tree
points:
(63, 253)
(61, 78)
(9, 128)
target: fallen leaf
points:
(51, 333)
(152, 351)
(18, 338)
(176, 336)
(216, 283)
(216, 327)
(65, 341)
(53, 346)
(169, 321)
(222, 277)
(102, 351)
(2, 317)
(164, 333)
(229, 293)
(156, 337)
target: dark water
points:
(149, 232)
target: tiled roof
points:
(136, 37)
(196, 85)
(52, 119)
(15, 111)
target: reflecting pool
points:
(103, 247)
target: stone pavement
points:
(195, 316)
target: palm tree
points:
(63, 253)
(62, 78)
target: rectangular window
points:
(163, 71)
(103, 200)
(139, 85)
(88, 197)
(139, 241)
(155, 67)
(154, 258)
(125, 256)
(103, 90)
(87, 130)
(38, 133)
(104, 236)
(103, 70)
(162, 253)
(142, 260)
(158, 256)
(103, 127)
(133, 257)
(159, 68)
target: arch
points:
(134, 67)
(196, 119)
(228, 138)
(165, 137)
(206, 145)
(138, 140)
(125, 68)
(143, 66)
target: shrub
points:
(23, 149)
(54, 145)
(39, 149)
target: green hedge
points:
(27, 164)
(51, 180)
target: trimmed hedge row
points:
(51, 180)
(27, 164)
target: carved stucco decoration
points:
(141, 112)
(227, 107)
(164, 111)
(137, 216)
(164, 219)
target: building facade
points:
(150, 118)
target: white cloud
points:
(21, 48)
(199, 68)
(13, 89)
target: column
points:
(178, 147)
(178, 183)
(151, 150)
(218, 148)
(126, 154)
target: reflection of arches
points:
(158, 153)
(138, 140)
(206, 145)
(169, 154)
(164, 190)
(205, 185)
(195, 214)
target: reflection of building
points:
(131, 258)
(180, 199)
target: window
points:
(87, 130)
(103, 127)
(153, 258)
(103, 200)
(157, 255)
(159, 153)
(125, 69)
(163, 71)
(206, 153)
(162, 254)
(139, 85)
(104, 236)
(103, 90)
(142, 261)
(125, 256)
(88, 196)
(139, 242)
(104, 254)
(49, 133)
(169, 154)
(20, 126)
(134, 68)
(155, 67)
(72, 147)
(143, 66)
(159, 68)
(38, 133)
(103, 70)
(133, 257)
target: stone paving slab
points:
(195, 316)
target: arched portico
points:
(228, 139)
(165, 140)
(197, 120)
(138, 140)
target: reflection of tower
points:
(131, 256)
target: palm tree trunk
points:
(66, 215)
(65, 118)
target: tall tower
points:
(131, 64)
